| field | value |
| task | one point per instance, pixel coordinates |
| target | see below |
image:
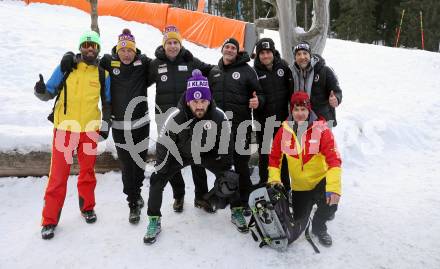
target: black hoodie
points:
(171, 76)
(127, 82)
(232, 87)
(183, 116)
(277, 86)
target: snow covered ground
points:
(388, 134)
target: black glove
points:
(68, 62)
(40, 87)
(105, 129)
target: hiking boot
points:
(178, 205)
(48, 231)
(238, 219)
(89, 216)
(153, 230)
(135, 213)
(324, 238)
(331, 217)
(140, 202)
(205, 205)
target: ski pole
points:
(400, 27)
(421, 30)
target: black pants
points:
(200, 183)
(303, 202)
(241, 163)
(160, 178)
(132, 173)
(178, 184)
(263, 164)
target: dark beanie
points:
(264, 44)
(232, 41)
(303, 45)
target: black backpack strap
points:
(101, 72)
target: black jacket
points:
(171, 76)
(127, 82)
(232, 87)
(182, 138)
(320, 80)
(277, 85)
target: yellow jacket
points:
(310, 158)
(83, 93)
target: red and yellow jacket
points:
(310, 158)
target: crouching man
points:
(314, 165)
(199, 133)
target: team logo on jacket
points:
(116, 71)
(207, 125)
(316, 78)
(164, 78)
(137, 62)
(280, 72)
(236, 75)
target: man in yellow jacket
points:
(314, 164)
(77, 124)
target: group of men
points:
(204, 116)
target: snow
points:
(387, 133)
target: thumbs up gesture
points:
(333, 101)
(40, 87)
(253, 102)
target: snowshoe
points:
(266, 221)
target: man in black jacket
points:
(195, 133)
(276, 80)
(128, 70)
(235, 88)
(311, 75)
(170, 70)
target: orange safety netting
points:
(200, 28)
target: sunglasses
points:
(87, 44)
(302, 46)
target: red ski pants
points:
(63, 147)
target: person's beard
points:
(89, 59)
(199, 113)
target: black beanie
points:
(303, 45)
(264, 44)
(232, 41)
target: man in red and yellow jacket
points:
(77, 126)
(314, 164)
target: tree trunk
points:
(290, 35)
(94, 15)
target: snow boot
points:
(135, 213)
(89, 216)
(48, 231)
(140, 202)
(324, 238)
(178, 205)
(238, 219)
(205, 205)
(153, 230)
